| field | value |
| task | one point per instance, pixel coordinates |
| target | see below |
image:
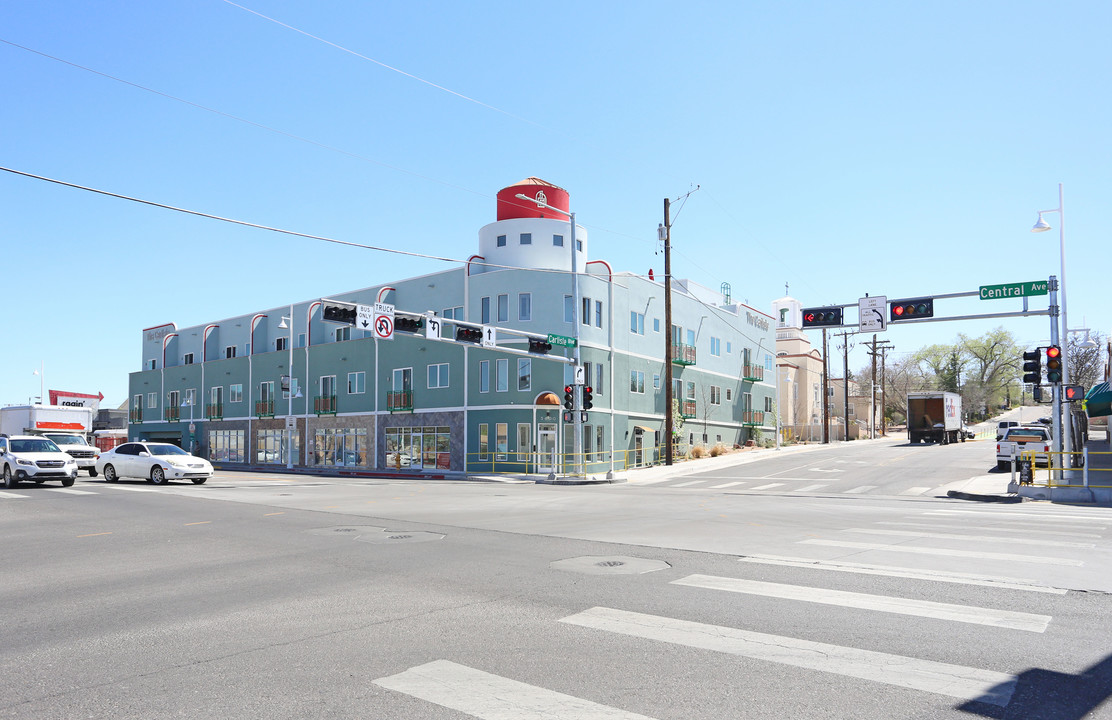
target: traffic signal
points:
(588, 397)
(822, 317)
(408, 324)
(1053, 364)
(539, 346)
(569, 397)
(338, 312)
(1032, 367)
(910, 309)
(468, 334)
(1071, 393)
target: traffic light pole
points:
(1060, 433)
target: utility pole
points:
(666, 236)
(873, 352)
(825, 393)
(845, 382)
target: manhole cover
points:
(619, 565)
(347, 530)
(389, 538)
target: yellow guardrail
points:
(1057, 474)
(513, 463)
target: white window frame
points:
(357, 382)
(525, 306)
(235, 393)
(503, 308)
(152, 400)
(636, 322)
(524, 373)
(484, 376)
(637, 382)
(437, 376)
(502, 375)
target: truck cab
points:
(77, 447)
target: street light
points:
(1061, 430)
(192, 441)
(577, 417)
(291, 428)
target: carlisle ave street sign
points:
(561, 340)
(1010, 290)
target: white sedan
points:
(156, 462)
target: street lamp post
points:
(291, 427)
(1063, 440)
(192, 441)
(577, 418)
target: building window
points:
(227, 446)
(152, 400)
(599, 447)
(728, 393)
(524, 373)
(747, 401)
(502, 368)
(357, 383)
(172, 400)
(503, 308)
(266, 391)
(690, 391)
(524, 442)
(191, 397)
(485, 314)
(525, 306)
(636, 322)
(729, 347)
(715, 346)
(569, 309)
(342, 447)
(281, 343)
(328, 386)
(585, 316)
(235, 393)
(270, 447)
(557, 241)
(187, 359)
(501, 440)
(768, 405)
(526, 238)
(598, 313)
(588, 441)
(656, 381)
(403, 379)
(484, 441)
(301, 340)
(484, 376)
(290, 387)
(453, 313)
(656, 325)
(501, 241)
(637, 382)
(343, 333)
(715, 395)
(598, 379)
(579, 245)
(230, 352)
(216, 394)
(438, 376)
(151, 365)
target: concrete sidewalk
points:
(1074, 489)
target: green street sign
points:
(1011, 290)
(561, 340)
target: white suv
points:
(34, 458)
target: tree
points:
(1086, 364)
(994, 363)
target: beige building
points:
(798, 375)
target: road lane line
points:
(810, 488)
(1022, 530)
(127, 487)
(1050, 515)
(491, 697)
(1010, 619)
(653, 481)
(70, 491)
(726, 485)
(927, 675)
(971, 538)
(768, 487)
(863, 488)
(12, 495)
(1008, 583)
(949, 553)
(690, 482)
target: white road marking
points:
(942, 678)
(12, 495)
(971, 538)
(767, 487)
(492, 697)
(1053, 515)
(653, 481)
(689, 482)
(726, 485)
(949, 553)
(881, 603)
(809, 488)
(129, 487)
(915, 491)
(863, 488)
(890, 571)
(70, 491)
(826, 470)
(1021, 530)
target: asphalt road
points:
(289, 597)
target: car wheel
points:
(199, 481)
(1003, 465)
(92, 472)
(10, 480)
(110, 474)
(158, 475)
(68, 482)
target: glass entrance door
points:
(414, 451)
(546, 447)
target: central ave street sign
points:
(1010, 290)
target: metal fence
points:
(1056, 474)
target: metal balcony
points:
(399, 401)
(683, 354)
(752, 373)
(324, 404)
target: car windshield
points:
(35, 445)
(166, 449)
(68, 439)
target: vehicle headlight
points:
(178, 463)
(23, 461)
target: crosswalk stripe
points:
(915, 491)
(132, 489)
(811, 488)
(949, 553)
(768, 487)
(1051, 515)
(901, 606)
(942, 678)
(654, 481)
(726, 485)
(491, 697)
(1023, 530)
(971, 538)
(12, 495)
(689, 482)
(70, 491)
(1006, 583)
(863, 488)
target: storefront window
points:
(226, 446)
(341, 447)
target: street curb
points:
(959, 495)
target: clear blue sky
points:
(895, 149)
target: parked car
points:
(34, 458)
(157, 463)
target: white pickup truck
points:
(1021, 439)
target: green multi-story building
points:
(289, 387)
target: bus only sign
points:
(1011, 290)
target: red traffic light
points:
(898, 310)
(1053, 351)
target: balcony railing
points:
(752, 373)
(687, 409)
(214, 411)
(324, 404)
(264, 408)
(402, 400)
(135, 415)
(173, 413)
(752, 417)
(683, 354)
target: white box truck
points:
(68, 427)
(934, 416)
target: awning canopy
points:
(643, 429)
(1098, 401)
